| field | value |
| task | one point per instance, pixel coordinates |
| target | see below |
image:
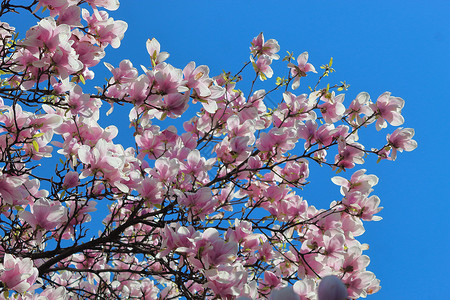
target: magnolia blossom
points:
(6, 30)
(71, 180)
(48, 45)
(269, 48)
(333, 109)
(300, 69)
(153, 48)
(45, 214)
(262, 66)
(105, 30)
(401, 139)
(18, 274)
(388, 108)
(360, 105)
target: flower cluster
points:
(212, 209)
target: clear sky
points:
(377, 46)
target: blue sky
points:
(377, 46)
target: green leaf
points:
(82, 79)
(38, 134)
(35, 146)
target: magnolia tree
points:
(209, 210)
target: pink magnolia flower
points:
(167, 79)
(46, 214)
(88, 52)
(108, 4)
(71, 180)
(197, 78)
(6, 31)
(369, 207)
(242, 230)
(269, 48)
(300, 290)
(359, 282)
(197, 166)
(349, 155)
(359, 182)
(333, 246)
(291, 207)
(236, 127)
(70, 15)
(50, 293)
(271, 280)
(388, 109)
(81, 103)
(199, 203)
(211, 250)
(107, 159)
(305, 288)
(105, 30)
(320, 156)
(226, 281)
(166, 170)
(307, 132)
(301, 69)
(332, 288)
(401, 139)
(153, 48)
(150, 143)
(383, 153)
(150, 190)
(373, 287)
(296, 171)
(178, 238)
(11, 190)
(360, 105)
(18, 274)
(174, 106)
(325, 134)
(125, 73)
(262, 66)
(300, 106)
(354, 261)
(138, 91)
(58, 55)
(277, 140)
(55, 6)
(333, 109)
